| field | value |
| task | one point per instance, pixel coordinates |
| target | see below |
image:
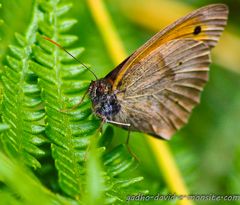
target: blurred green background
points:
(207, 149)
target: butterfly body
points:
(104, 101)
(155, 89)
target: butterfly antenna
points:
(58, 45)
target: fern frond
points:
(70, 133)
(19, 186)
(95, 181)
(107, 179)
(61, 89)
(21, 104)
(38, 75)
(22, 188)
(118, 164)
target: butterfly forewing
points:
(205, 24)
(163, 87)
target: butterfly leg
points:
(128, 147)
(128, 137)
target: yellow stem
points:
(164, 158)
(168, 167)
(109, 35)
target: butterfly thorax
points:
(104, 100)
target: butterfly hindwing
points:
(160, 95)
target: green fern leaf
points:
(22, 188)
(69, 133)
(21, 104)
(40, 81)
(117, 164)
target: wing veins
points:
(202, 54)
(170, 120)
(180, 94)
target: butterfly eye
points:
(99, 90)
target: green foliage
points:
(19, 180)
(21, 105)
(52, 154)
(41, 84)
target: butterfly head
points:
(99, 88)
(104, 100)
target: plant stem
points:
(109, 34)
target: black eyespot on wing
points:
(197, 30)
(180, 63)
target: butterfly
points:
(155, 89)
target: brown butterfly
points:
(155, 89)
